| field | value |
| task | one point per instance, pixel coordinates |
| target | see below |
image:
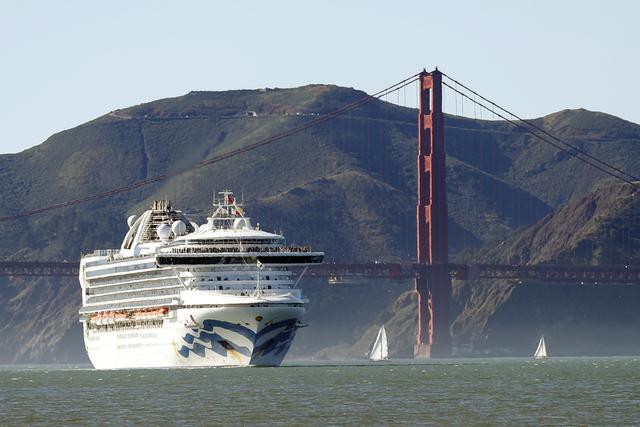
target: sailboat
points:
(380, 350)
(541, 351)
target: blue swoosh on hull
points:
(272, 327)
(208, 325)
(213, 338)
(278, 345)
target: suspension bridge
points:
(431, 271)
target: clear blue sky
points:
(66, 62)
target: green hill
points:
(346, 187)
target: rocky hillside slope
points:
(603, 228)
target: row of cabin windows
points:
(101, 298)
(143, 293)
(142, 287)
(219, 278)
(150, 293)
(121, 269)
(138, 285)
(147, 323)
(221, 288)
(154, 274)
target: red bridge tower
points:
(434, 287)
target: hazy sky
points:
(66, 62)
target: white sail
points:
(541, 351)
(380, 350)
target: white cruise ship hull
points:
(177, 294)
(200, 337)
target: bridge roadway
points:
(344, 272)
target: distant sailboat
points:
(380, 350)
(541, 351)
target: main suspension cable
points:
(550, 135)
(547, 140)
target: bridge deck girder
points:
(538, 273)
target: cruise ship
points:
(181, 295)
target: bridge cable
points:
(550, 135)
(547, 140)
(293, 131)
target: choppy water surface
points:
(473, 391)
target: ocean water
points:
(596, 391)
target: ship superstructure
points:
(177, 294)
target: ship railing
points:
(102, 252)
(247, 292)
(251, 249)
